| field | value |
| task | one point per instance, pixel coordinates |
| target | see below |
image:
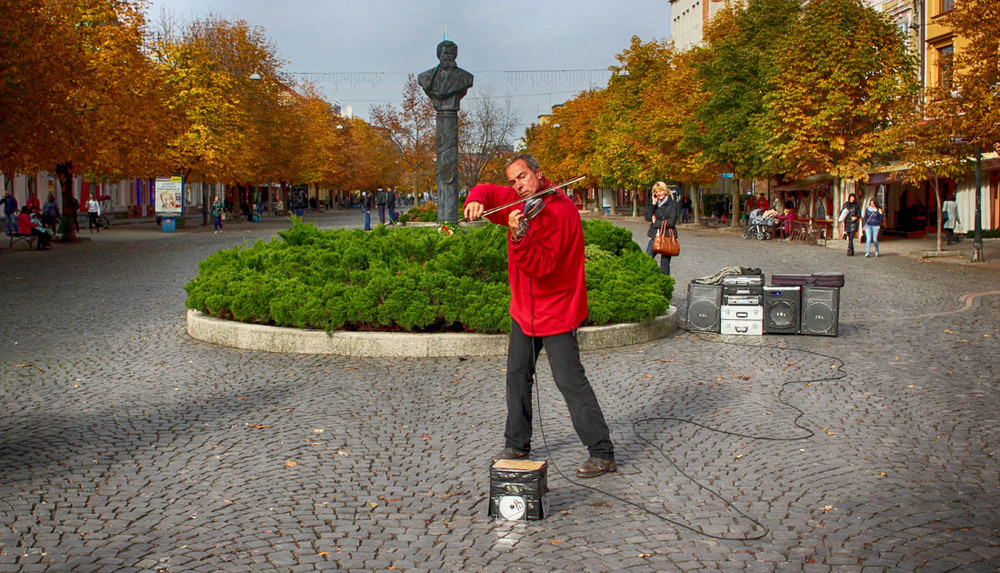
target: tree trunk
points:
(64, 174)
(937, 199)
(695, 203)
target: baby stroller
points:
(760, 226)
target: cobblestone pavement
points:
(127, 446)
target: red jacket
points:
(24, 223)
(548, 291)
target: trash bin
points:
(607, 210)
(169, 224)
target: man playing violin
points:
(548, 303)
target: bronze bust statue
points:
(447, 83)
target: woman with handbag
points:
(662, 213)
(850, 216)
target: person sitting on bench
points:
(27, 225)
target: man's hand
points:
(514, 220)
(473, 210)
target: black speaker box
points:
(781, 309)
(704, 302)
(820, 310)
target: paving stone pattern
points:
(127, 446)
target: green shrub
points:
(426, 213)
(410, 280)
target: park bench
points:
(28, 239)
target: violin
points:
(532, 207)
(537, 195)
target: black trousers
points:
(567, 370)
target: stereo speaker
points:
(781, 309)
(704, 302)
(820, 310)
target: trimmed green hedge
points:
(410, 280)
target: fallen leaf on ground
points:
(290, 464)
(259, 426)
(425, 436)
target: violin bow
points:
(545, 191)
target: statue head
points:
(447, 51)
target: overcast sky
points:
(393, 38)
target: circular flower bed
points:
(416, 280)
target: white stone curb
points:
(402, 344)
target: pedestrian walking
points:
(663, 208)
(93, 212)
(548, 303)
(872, 221)
(381, 199)
(217, 209)
(850, 215)
(949, 217)
(366, 205)
(391, 202)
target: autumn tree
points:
(486, 131)
(931, 153)
(79, 93)
(325, 143)
(974, 100)
(668, 105)
(411, 129)
(564, 145)
(373, 156)
(844, 75)
(225, 82)
(621, 152)
(736, 69)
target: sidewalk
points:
(959, 252)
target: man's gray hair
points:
(528, 160)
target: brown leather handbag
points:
(665, 242)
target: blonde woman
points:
(663, 207)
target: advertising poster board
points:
(169, 196)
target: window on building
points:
(947, 6)
(946, 58)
